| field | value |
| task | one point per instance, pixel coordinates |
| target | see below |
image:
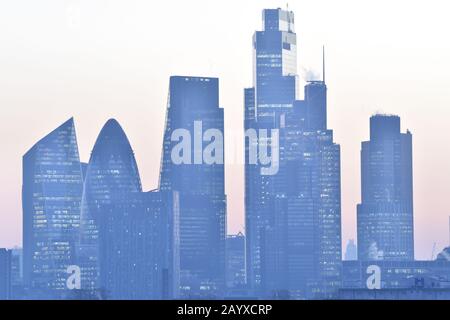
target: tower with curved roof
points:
(111, 176)
(127, 241)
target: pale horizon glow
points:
(101, 59)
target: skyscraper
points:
(275, 65)
(273, 94)
(52, 191)
(191, 167)
(293, 224)
(137, 258)
(112, 177)
(351, 251)
(385, 215)
(128, 236)
(311, 169)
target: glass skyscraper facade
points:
(136, 241)
(385, 215)
(273, 94)
(127, 248)
(275, 64)
(52, 192)
(193, 108)
(111, 176)
(171, 243)
(293, 218)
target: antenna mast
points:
(323, 64)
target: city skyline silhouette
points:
(430, 227)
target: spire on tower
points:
(323, 64)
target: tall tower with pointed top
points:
(111, 177)
(51, 199)
(127, 248)
(323, 64)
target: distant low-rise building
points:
(17, 286)
(395, 294)
(235, 262)
(397, 274)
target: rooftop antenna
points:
(433, 251)
(323, 64)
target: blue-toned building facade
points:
(5, 274)
(235, 261)
(193, 108)
(126, 248)
(385, 215)
(138, 260)
(51, 197)
(293, 218)
(397, 280)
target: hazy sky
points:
(97, 59)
